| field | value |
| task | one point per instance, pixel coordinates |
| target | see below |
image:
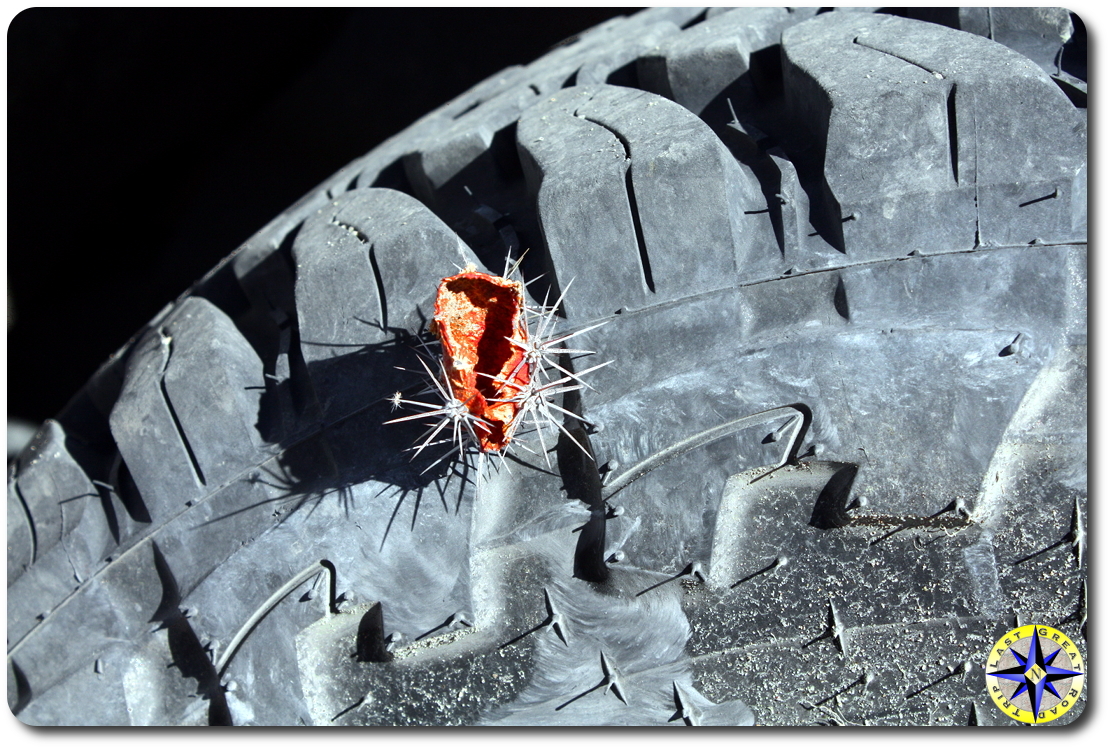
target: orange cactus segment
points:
(475, 315)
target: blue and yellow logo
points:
(1035, 674)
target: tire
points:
(842, 262)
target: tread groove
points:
(168, 343)
(301, 391)
(582, 481)
(382, 302)
(898, 57)
(953, 135)
(189, 656)
(30, 520)
(630, 192)
(23, 693)
(105, 492)
(123, 485)
(641, 245)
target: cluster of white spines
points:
(541, 352)
(450, 411)
(547, 378)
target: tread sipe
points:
(839, 451)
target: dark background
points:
(146, 145)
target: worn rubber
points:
(841, 447)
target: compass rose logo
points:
(1035, 674)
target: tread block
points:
(1037, 504)
(56, 493)
(411, 247)
(577, 172)
(447, 152)
(85, 416)
(1036, 33)
(684, 192)
(339, 310)
(213, 382)
(21, 538)
(932, 121)
(134, 587)
(681, 16)
(35, 593)
(865, 124)
(690, 194)
(266, 276)
(609, 49)
(367, 270)
(116, 605)
(591, 56)
(1024, 129)
(384, 166)
(443, 156)
(617, 65)
(145, 683)
(100, 682)
(149, 440)
(559, 67)
(486, 90)
(154, 680)
(696, 66)
(197, 542)
(51, 484)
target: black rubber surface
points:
(841, 447)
